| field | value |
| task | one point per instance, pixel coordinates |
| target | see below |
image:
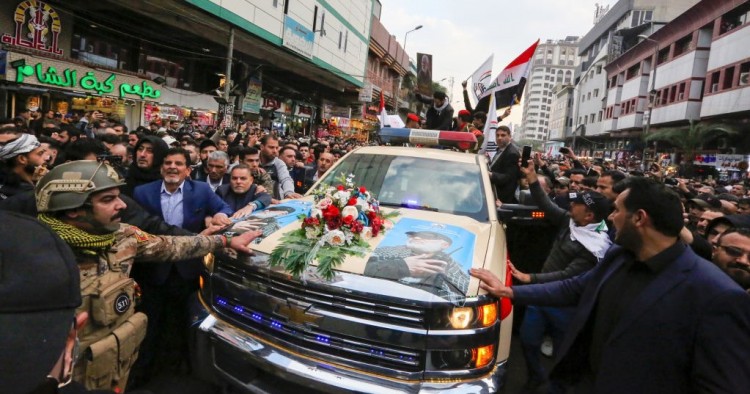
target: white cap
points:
(169, 140)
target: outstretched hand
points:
(240, 242)
(491, 283)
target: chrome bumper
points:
(210, 332)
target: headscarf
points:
(592, 236)
(23, 144)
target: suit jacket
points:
(688, 331)
(504, 174)
(198, 201)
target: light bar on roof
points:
(458, 139)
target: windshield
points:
(419, 183)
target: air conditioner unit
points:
(745, 79)
(714, 88)
(680, 96)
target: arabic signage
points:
(365, 94)
(304, 111)
(37, 26)
(297, 37)
(252, 101)
(722, 161)
(80, 79)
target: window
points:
(672, 94)
(640, 17)
(728, 78)
(714, 85)
(600, 116)
(683, 45)
(663, 56)
(681, 92)
(735, 18)
(744, 74)
(633, 71)
(596, 92)
(598, 70)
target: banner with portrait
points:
(424, 73)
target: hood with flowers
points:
(343, 219)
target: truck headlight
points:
(478, 316)
(461, 317)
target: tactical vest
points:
(109, 342)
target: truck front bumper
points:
(225, 354)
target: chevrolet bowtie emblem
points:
(295, 312)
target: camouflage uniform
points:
(111, 339)
(262, 178)
(388, 262)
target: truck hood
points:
(424, 255)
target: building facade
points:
(554, 64)
(695, 68)
(615, 29)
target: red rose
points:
(348, 220)
(375, 231)
(340, 187)
(352, 201)
(331, 212)
(377, 222)
(357, 227)
(371, 215)
(334, 223)
(310, 222)
(362, 190)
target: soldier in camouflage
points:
(421, 263)
(80, 201)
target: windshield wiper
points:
(410, 205)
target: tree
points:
(692, 139)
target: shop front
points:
(53, 84)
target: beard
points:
(739, 273)
(29, 169)
(628, 238)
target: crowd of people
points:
(644, 289)
(646, 286)
(139, 209)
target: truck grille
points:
(326, 321)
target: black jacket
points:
(239, 201)
(567, 258)
(138, 176)
(434, 120)
(505, 174)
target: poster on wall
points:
(252, 102)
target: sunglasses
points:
(734, 252)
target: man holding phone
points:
(504, 172)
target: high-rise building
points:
(554, 64)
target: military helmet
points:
(69, 185)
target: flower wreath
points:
(339, 225)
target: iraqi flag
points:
(384, 120)
(508, 86)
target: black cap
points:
(596, 202)
(439, 95)
(206, 143)
(39, 292)
(429, 235)
(706, 201)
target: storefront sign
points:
(69, 78)
(304, 111)
(297, 37)
(365, 94)
(722, 161)
(252, 101)
(37, 27)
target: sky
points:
(460, 35)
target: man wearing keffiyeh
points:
(22, 162)
(581, 242)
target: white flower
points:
(316, 213)
(366, 233)
(311, 233)
(335, 238)
(342, 197)
(349, 211)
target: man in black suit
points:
(504, 172)
(241, 193)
